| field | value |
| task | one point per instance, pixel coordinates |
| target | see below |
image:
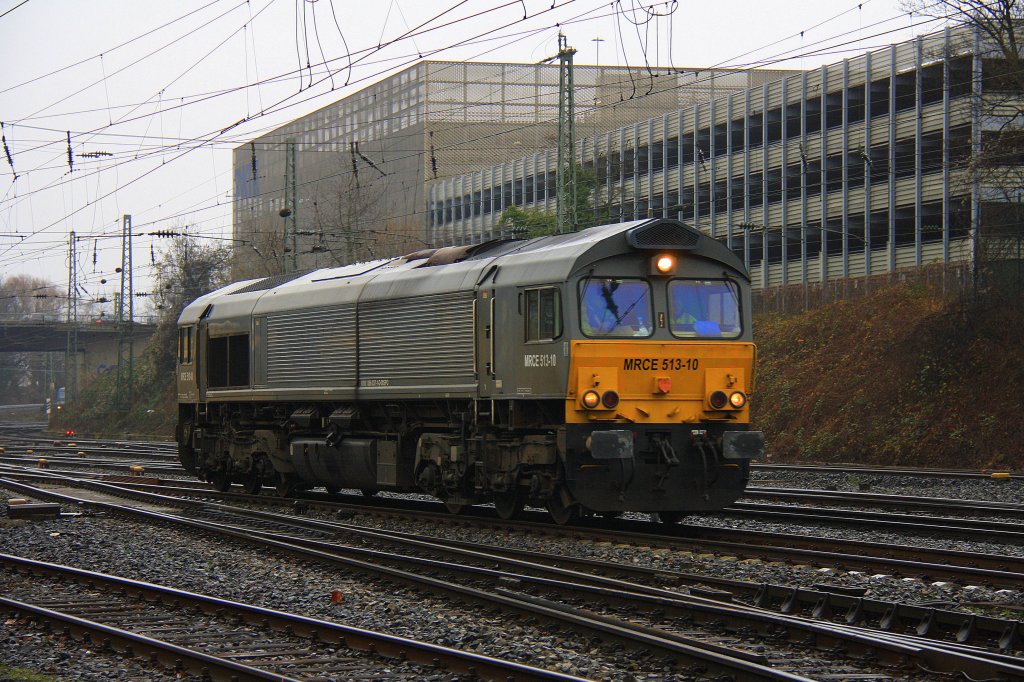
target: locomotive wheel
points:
(670, 518)
(509, 505)
(369, 492)
(562, 512)
(456, 508)
(285, 488)
(220, 481)
(253, 484)
(332, 489)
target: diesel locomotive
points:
(599, 371)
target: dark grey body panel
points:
(405, 329)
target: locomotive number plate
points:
(661, 364)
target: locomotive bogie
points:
(607, 370)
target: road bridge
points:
(97, 346)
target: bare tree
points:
(996, 166)
(184, 272)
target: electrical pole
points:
(125, 318)
(71, 354)
(290, 208)
(565, 178)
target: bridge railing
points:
(54, 318)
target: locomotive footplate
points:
(658, 467)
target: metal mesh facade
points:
(856, 168)
(364, 163)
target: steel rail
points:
(367, 641)
(737, 664)
(907, 560)
(573, 588)
(947, 504)
(880, 470)
(826, 599)
(969, 528)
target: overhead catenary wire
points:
(202, 142)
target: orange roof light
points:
(664, 264)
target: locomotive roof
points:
(537, 261)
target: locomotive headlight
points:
(610, 399)
(718, 400)
(591, 399)
(664, 264)
(737, 399)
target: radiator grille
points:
(268, 283)
(311, 347)
(664, 235)
(417, 340)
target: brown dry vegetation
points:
(900, 377)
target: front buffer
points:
(659, 427)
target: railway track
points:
(577, 594)
(224, 640)
(966, 567)
(857, 470)
(946, 505)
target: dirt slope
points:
(899, 377)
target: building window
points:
(834, 109)
(812, 114)
(834, 172)
(774, 124)
(855, 166)
(756, 133)
(906, 90)
(773, 180)
(855, 104)
(721, 139)
(736, 198)
(793, 120)
(793, 173)
(812, 176)
(960, 70)
(931, 84)
(905, 158)
(686, 147)
(879, 156)
(755, 190)
(878, 230)
(672, 152)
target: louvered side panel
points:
(312, 348)
(422, 341)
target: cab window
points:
(615, 307)
(543, 314)
(185, 345)
(702, 308)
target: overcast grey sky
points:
(156, 94)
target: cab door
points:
(484, 317)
